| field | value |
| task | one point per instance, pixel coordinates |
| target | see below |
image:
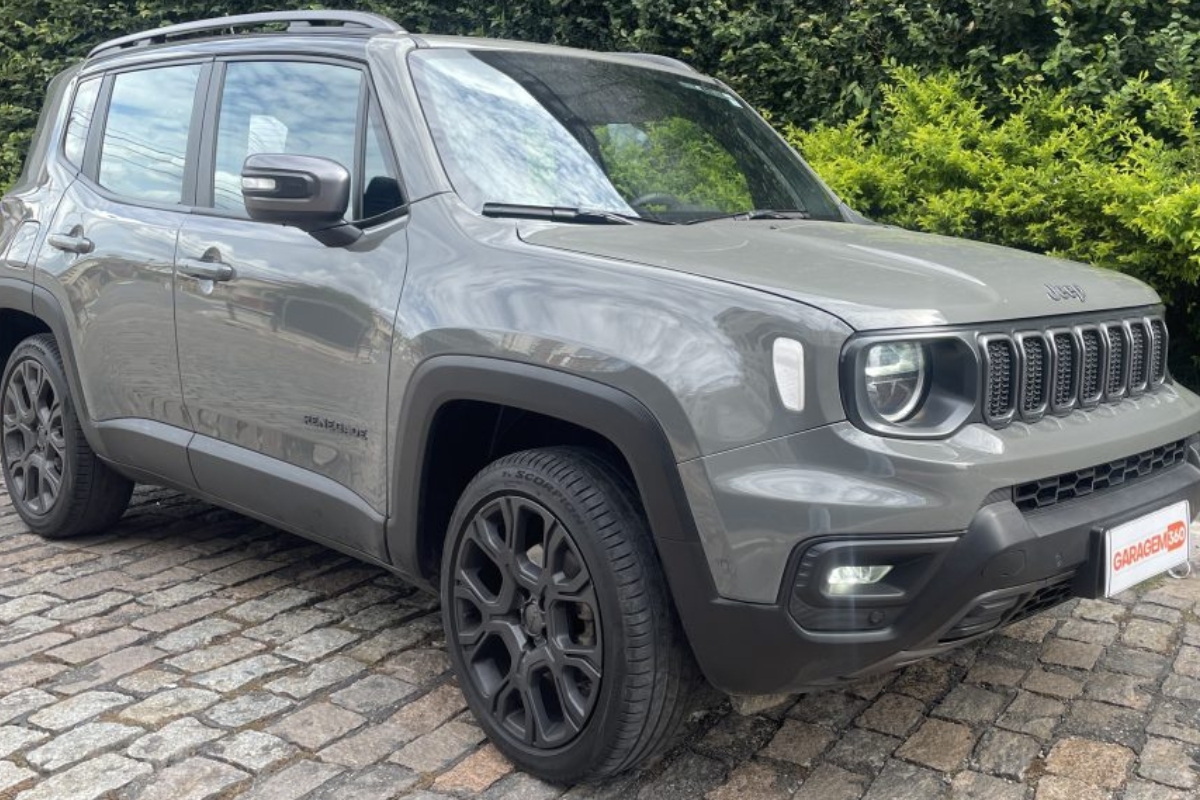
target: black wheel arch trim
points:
(16, 294)
(612, 413)
(29, 298)
(609, 412)
(46, 308)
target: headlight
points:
(923, 385)
(895, 375)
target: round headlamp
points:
(895, 375)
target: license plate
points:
(1146, 546)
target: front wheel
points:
(57, 484)
(558, 618)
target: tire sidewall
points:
(56, 517)
(588, 746)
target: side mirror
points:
(305, 192)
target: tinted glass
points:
(551, 130)
(283, 107)
(381, 189)
(80, 120)
(144, 149)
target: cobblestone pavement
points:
(195, 654)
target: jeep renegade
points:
(577, 341)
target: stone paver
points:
(315, 726)
(253, 750)
(75, 710)
(196, 655)
(88, 780)
(194, 779)
(80, 743)
(171, 741)
(1092, 762)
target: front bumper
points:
(1008, 564)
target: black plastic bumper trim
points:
(745, 648)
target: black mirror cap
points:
(305, 192)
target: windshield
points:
(555, 130)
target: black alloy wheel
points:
(57, 484)
(527, 621)
(558, 619)
(35, 446)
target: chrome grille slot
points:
(1090, 389)
(1034, 372)
(1158, 351)
(1118, 364)
(1000, 358)
(1138, 334)
(1066, 381)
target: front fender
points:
(611, 413)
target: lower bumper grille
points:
(997, 611)
(1080, 483)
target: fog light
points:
(843, 578)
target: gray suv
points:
(577, 341)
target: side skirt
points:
(289, 497)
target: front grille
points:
(1001, 378)
(1066, 384)
(1138, 355)
(1158, 351)
(1118, 377)
(1037, 377)
(990, 613)
(1089, 391)
(1031, 372)
(1082, 482)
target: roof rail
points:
(297, 20)
(655, 58)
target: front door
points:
(284, 343)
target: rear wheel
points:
(56, 483)
(558, 619)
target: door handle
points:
(206, 270)
(70, 243)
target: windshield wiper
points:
(556, 214)
(758, 213)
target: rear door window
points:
(144, 149)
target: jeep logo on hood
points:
(1065, 291)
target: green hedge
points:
(1059, 125)
(1115, 184)
(803, 60)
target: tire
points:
(577, 673)
(56, 483)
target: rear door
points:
(285, 356)
(110, 252)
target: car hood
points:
(871, 276)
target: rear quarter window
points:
(80, 121)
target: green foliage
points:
(1115, 184)
(676, 157)
(805, 61)
(1059, 125)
